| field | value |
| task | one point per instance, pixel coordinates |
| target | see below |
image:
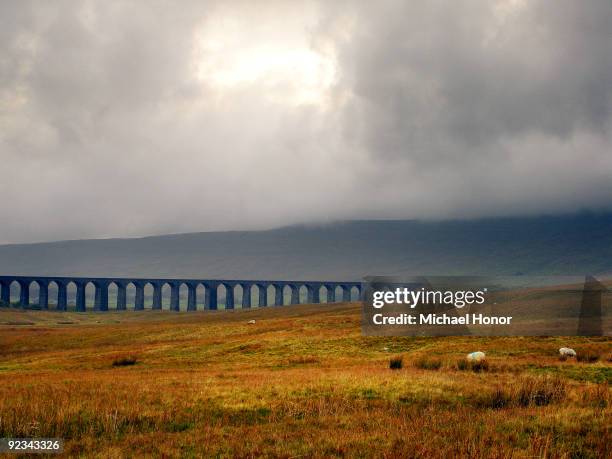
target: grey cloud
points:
(440, 110)
(478, 78)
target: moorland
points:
(300, 381)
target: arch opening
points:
(253, 291)
(183, 295)
(113, 292)
(166, 293)
(303, 294)
(71, 294)
(14, 293)
(149, 291)
(339, 291)
(53, 295)
(354, 293)
(322, 294)
(34, 294)
(90, 295)
(286, 294)
(200, 297)
(270, 293)
(130, 296)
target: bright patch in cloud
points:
(230, 55)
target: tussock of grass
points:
(396, 363)
(541, 391)
(476, 367)
(598, 396)
(497, 399)
(428, 363)
(303, 360)
(528, 391)
(249, 347)
(593, 352)
(588, 354)
(124, 361)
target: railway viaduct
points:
(265, 292)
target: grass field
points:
(300, 382)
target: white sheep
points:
(475, 356)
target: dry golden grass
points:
(301, 382)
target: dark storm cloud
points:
(110, 127)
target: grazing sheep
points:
(476, 356)
(252, 321)
(567, 352)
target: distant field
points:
(300, 382)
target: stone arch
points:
(338, 291)
(303, 294)
(238, 294)
(71, 295)
(130, 296)
(183, 295)
(147, 294)
(14, 292)
(286, 294)
(355, 293)
(253, 292)
(34, 288)
(113, 295)
(322, 290)
(200, 296)
(166, 295)
(53, 294)
(270, 294)
(90, 295)
(221, 294)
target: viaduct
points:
(334, 291)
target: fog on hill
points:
(570, 245)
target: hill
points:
(560, 245)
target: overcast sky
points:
(150, 117)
